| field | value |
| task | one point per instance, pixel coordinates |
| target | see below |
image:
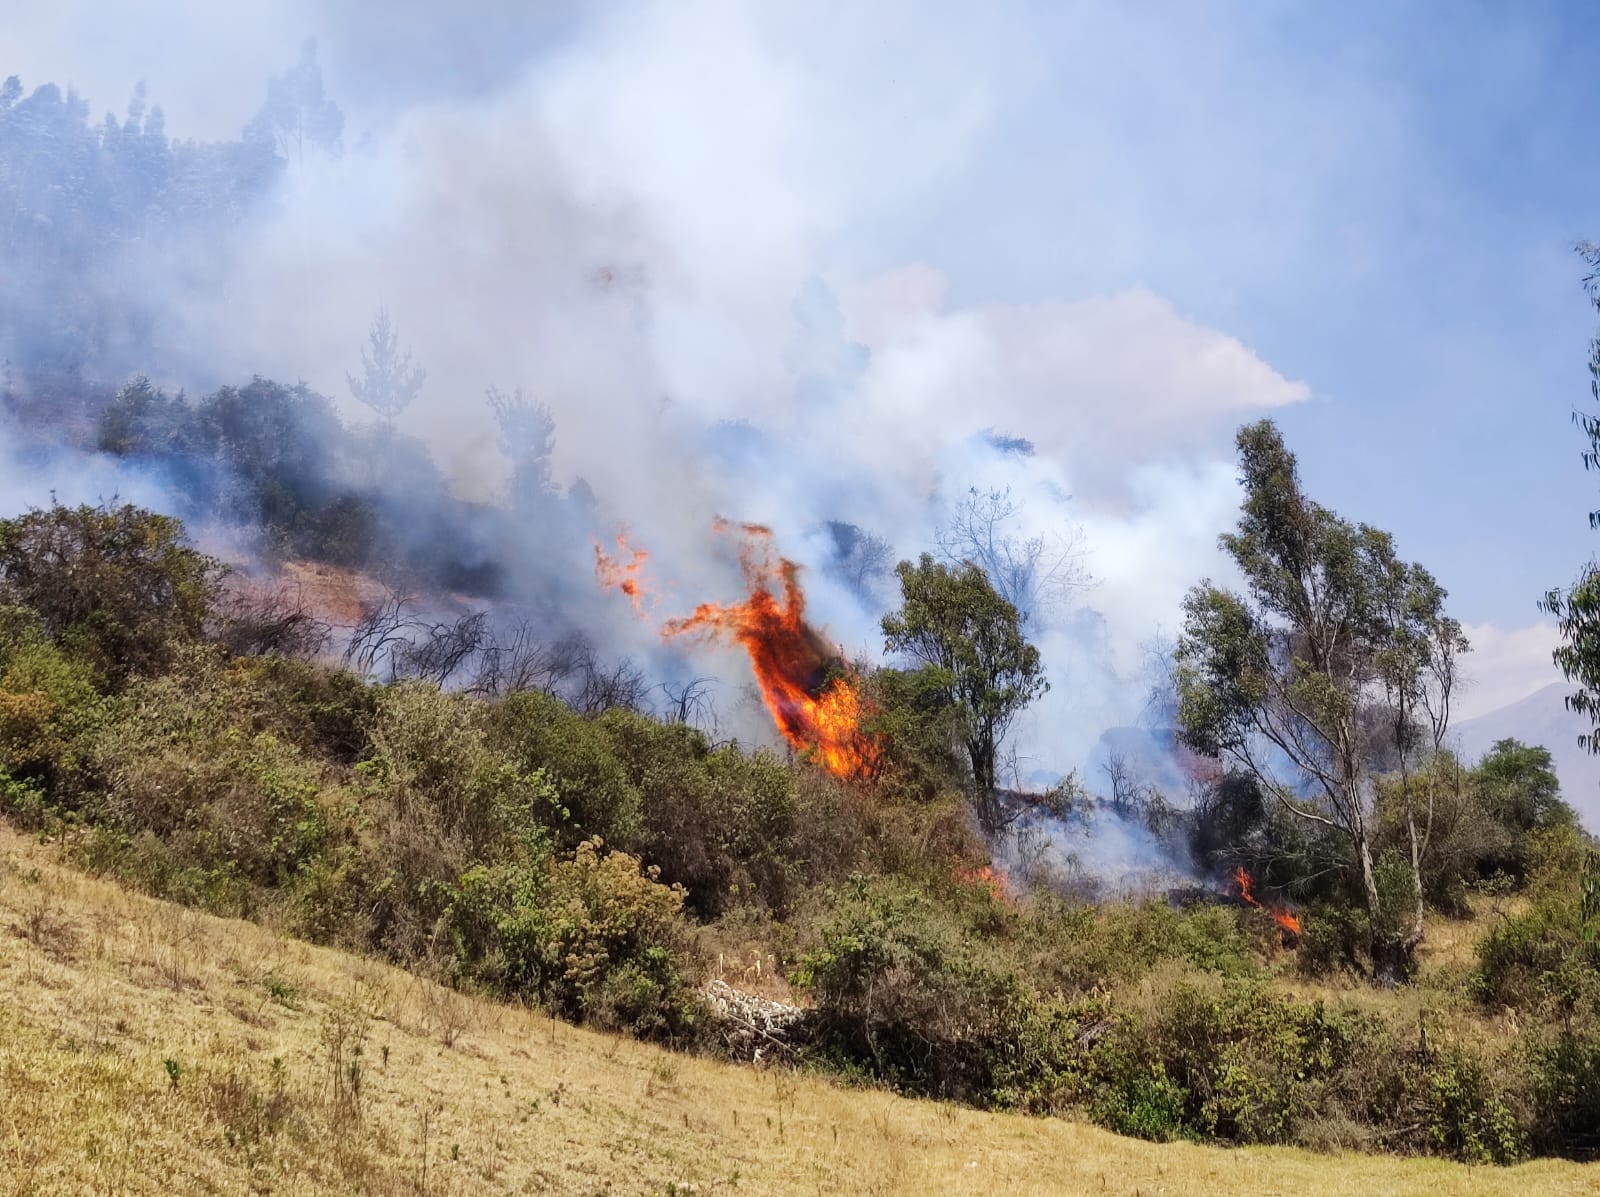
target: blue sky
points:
(1381, 199)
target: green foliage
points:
(901, 989)
(920, 730)
(1147, 1105)
(1335, 637)
(48, 705)
(597, 937)
(1334, 938)
(116, 585)
(1075, 947)
(321, 709)
(969, 640)
(1254, 1065)
(1517, 956)
(1520, 789)
(1564, 1068)
(1469, 1118)
(617, 949)
(208, 809)
(1577, 610)
(539, 731)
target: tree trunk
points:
(1392, 956)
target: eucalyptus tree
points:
(1577, 609)
(969, 643)
(1335, 664)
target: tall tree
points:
(1034, 573)
(527, 437)
(389, 383)
(1577, 609)
(969, 641)
(1338, 657)
(298, 110)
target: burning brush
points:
(1288, 922)
(813, 696)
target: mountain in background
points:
(1542, 719)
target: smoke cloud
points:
(663, 221)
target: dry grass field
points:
(147, 1049)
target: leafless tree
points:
(604, 687)
(436, 652)
(1033, 573)
(524, 661)
(382, 630)
(691, 703)
(1133, 799)
(862, 560)
(268, 621)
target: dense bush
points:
(1075, 947)
(538, 731)
(721, 823)
(1517, 955)
(48, 705)
(199, 805)
(1564, 1071)
(117, 585)
(901, 990)
(595, 936)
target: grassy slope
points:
(100, 987)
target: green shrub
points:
(1468, 1117)
(48, 706)
(1147, 1105)
(194, 805)
(117, 586)
(1075, 947)
(435, 801)
(1564, 1070)
(899, 989)
(611, 944)
(320, 709)
(536, 731)
(1333, 938)
(1255, 1065)
(1516, 954)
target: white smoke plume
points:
(665, 221)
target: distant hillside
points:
(1542, 718)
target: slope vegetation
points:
(147, 1048)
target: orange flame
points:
(989, 878)
(1285, 919)
(627, 577)
(813, 697)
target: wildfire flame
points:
(613, 573)
(812, 695)
(990, 879)
(1285, 919)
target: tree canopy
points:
(1337, 661)
(969, 640)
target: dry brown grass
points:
(300, 1070)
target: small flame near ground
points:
(1288, 921)
(814, 698)
(624, 572)
(989, 878)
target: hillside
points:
(146, 1048)
(1542, 718)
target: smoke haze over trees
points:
(664, 335)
